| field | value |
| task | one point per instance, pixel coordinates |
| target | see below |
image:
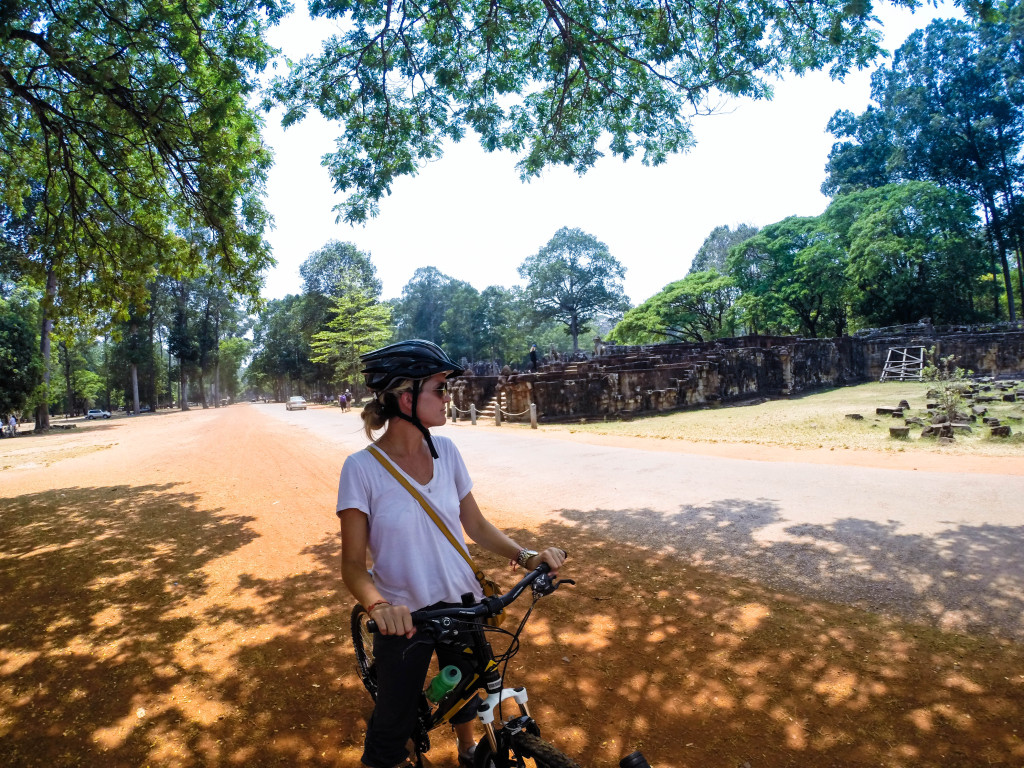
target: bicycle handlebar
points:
(488, 606)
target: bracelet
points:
(522, 557)
(377, 604)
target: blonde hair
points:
(383, 407)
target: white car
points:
(296, 403)
(97, 413)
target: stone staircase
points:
(487, 411)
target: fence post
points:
(533, 415)
(452, 409)
(472, 414)
(497, 410)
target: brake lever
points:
(426, 634)
(543, 585)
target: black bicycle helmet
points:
(412, 359)
(415, 359)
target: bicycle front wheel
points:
(534, 751)
(362, 641)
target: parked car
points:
(296, 403)
(97, 413)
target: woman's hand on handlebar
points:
(393, 620)
(553, 556)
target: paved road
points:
(947, 548)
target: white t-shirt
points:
(414, 564)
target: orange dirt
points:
(171, 598)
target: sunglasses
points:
(439, 391)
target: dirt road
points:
(942, 546)
(169, 598)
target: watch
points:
(524, 555)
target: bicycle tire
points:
(536, 753)
(362, 642)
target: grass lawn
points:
(820, 420)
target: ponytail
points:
(382, 408)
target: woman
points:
(414, 565)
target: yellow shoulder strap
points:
(376, 453)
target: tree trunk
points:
(135, 389)
(43, 408)
(152, 385)
(106, 374)
(170, 383)
(202, 389)
(1001, 248)
(69, 392)
(182, 386)
(216, 360)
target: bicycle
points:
(508, 742)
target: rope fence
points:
(498, 413)
(507, 413)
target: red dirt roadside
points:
(170, 598)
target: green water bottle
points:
(449, 677)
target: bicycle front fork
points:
(486, 711)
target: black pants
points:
(402, 666)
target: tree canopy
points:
(122, 120)
(949, 110)
(573, 279)
(697, 308)
(359, 323)
(914, 252)
(549, 79)
(791, 278)
(714, 251)
(128, 149)
(20, 365)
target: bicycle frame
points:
(462, 694)
(484, 670)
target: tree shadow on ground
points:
(967, 578)
(125, 644)
(703, 669)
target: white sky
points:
(469, 216)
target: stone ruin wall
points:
(647, 379)
(985, 352)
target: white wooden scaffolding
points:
(903, 364)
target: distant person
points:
(533, 357)
(12, 426)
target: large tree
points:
(281, 350)
(122, 123)
(359, 323)
(336, 268)
(949, 110)
(792, 278)
(697, 308)
(915, 251)
(714, 251)
(421, 309)
(573, 280)
(551, 80)
(20, 362)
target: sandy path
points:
(917, 537)
(168, 597)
